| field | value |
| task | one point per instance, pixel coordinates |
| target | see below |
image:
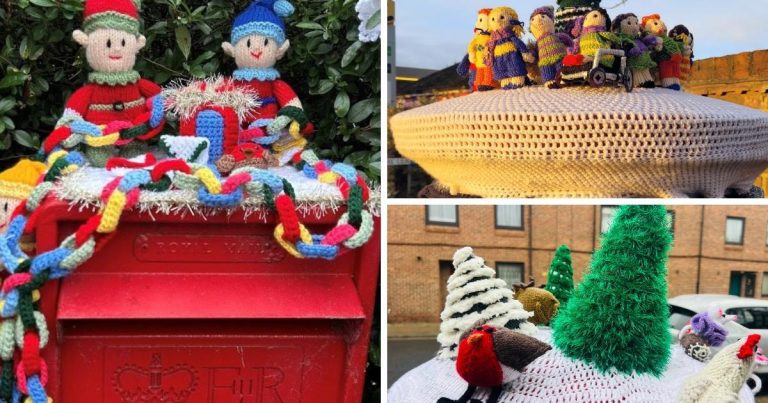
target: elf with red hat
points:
(115, 92)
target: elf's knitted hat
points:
(17, 182)
(549, 11)
(122, 15)
(262, 17)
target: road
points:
(407, 354)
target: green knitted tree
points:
(617, 317)
(560, 276)
(570, 10)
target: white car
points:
(752, 317)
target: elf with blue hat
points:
(258, 41)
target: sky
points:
(433, 34)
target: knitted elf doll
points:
(506, 53)
(684, 37)
(115, 92)
(476, 53)
(258, 41)
(627, 27)
(568, 11)
(669, 57)
(593, 33)
(16, 184)
(551, 47)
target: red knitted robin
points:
(490, 358)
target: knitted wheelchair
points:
(597, 75)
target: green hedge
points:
(337, 77)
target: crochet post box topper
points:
(257, 43)
(116, 106)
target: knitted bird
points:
(506, 53)
(627, 27)
(705, 330)
(541, 302)
(490, 358)
(684, 37)
(723, 377)
(669, 57)
(551, 47)
(483, 75)
(592, 32)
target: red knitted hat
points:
(122, 15)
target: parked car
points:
(752, 317)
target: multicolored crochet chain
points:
(23, 327)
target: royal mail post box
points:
(206, 310)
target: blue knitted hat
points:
(262, 17)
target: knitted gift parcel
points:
(669, 57)
(627, 27)
(115, 94)
(506, 53)
(551, 47)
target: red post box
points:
(206, 309)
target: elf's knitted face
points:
(256, 51)
(595, 19)
(481, 25)
(7, 206)
(110, 50)
(630, 26)
(656, 27)
(541, 24)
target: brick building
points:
(716, 249)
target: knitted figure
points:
(551, 47)
(115, 92)
(669, 57)
(483, 75)
(258, 41)
(560, 275)
(723, 377)
(568, 11)
(477, 296)
(541, 302)
(627, 27)
(506, 53)
(490, 358)
(16, 183)
(592, 32)
(684, 37)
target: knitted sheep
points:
(669, 57)
(506, 53)
(551, 47)
(627, 27)
(684, 37)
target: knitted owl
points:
(627, 27)
(684, 37)
(16, 184)
(506, 53)
(551, 47)
(669, 57)
(115, 97)
(541, 302)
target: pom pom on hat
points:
(17, 182)
(283, 8)
(262, 17)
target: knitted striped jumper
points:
(103, 103)
(507, 57)
(552, 50)
(273, 94)
(589, 44)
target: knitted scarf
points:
(499, 35)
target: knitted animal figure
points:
(568, 11)
(491, 357)
(705, 330)
(627, 27)
(16, 183)
(258, 42)
(541, 302)
(551, 47)
(669, 57)
(592, 32)
(684, 37)
(483, 77)
(507, 54)
(723, 377)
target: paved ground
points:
(406, 354)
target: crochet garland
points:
(23, 326)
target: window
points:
(734, 231)
(443, 215)
(750, 317)
(609, 212)
(765, 284)
(671, 221)
(511, 273)
(509, 217)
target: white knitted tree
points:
(476, 297)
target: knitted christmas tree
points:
(476, 297)
(568, 11)
(617, 317)
(560, 276)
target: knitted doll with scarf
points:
(115, 95)
(551, 47)
(669, 57)
(258, 42)
(684, 37)
(627, 27)
(592, 32)
(506, 53)
(476, 53)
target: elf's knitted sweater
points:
(102, 103)
(273, 95)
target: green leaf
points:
(374, 20)
(361, 110)
(6, 104)
(309, 25)
(26, 139)
(324, 87)
(341, 105)
(351, 53)
(43, 3)
(13, 79)
(184, 40)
